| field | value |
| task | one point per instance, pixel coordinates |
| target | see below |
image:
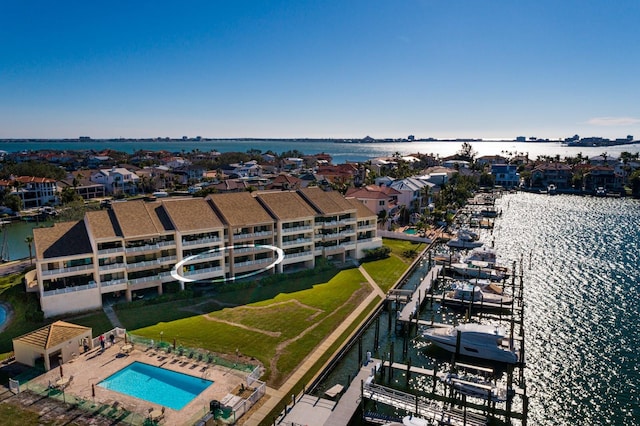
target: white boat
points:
(551, 189)
(483, 254)
(465, 239)
(415, 421)
(474, 386)
(464, 293)
(476, 340)
(477, 269)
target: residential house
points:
(505, 175)
(116, 180)
(559, 174)
(376, 198)
(33, 191)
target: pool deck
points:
(94, 366)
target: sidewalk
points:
(287, 389)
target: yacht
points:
(465, 293)
(476, 340)
(474, 386)
(477, 269)
(465, 239)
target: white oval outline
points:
(279, 259)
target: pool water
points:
(157, 385)
(411, 231)
(3, 315)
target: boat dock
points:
(419, 295)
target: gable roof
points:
(326, 202)
(286, 205)
(191, 214)
(62, 239)
(52, 335)
(141, 218)
(239, 209)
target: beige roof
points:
(102, 224)
(286, 205)
(141, 218)
(62, 239)
(52, 335)
(327, 202)
(191, 214)
(362, 211)
(240, 208)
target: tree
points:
(634, 181)
(14, 202)
(68, 195)
(466, 152)
(29, 241)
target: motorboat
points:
(477, 269)
(475, 340)
(552, 189)
(465, 293)
(465, 239)
(474, 386)
(483, 254)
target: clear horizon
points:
(334, 70)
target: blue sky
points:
(298, 68)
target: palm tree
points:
(29, 241)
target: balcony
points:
(297, 242)
(111, 266)
(202, 271)
(205, 256)
(113, 282)
(300, 254)
(208, 240)
(66, 290)
(253, 262)
(154, 262)
(144, 279)
(48, 272)
(111, 250)
(295, 229)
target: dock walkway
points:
(410, 309)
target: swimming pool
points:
(410, 231)
(155, 384)
(3, 315)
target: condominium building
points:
(133, 246)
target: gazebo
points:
(59, 342)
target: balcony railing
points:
(113, 282)
(296, 229)
(202, 271)
(296, 242)
(144, 279)
(111, 266)
(252, 262)
(303, 253)
(111, 250)
(154, 262)
(48, 272)
(205, 256)
(89, 285)
(201, 241)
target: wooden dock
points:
(410, 309)
(350, 400)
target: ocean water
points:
(582, 304)
(581, 264)
(341, 152)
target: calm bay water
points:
(582, 305)
(341, 152)
(582, 308)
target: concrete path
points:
(286, 391)
(111, 314)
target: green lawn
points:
(17, 416)
(279, 332)
(387, 271)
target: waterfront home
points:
(559, 174)
(116, 179)
(602, 177)
(411, 192)
(79, 181)
(505, 175)
(376, 198)
(33, 191)
(131, 248)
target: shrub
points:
(377, 253)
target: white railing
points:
(65, 270)
(252, 262)
(202, 271)
(303, 253)
(111, 266)
(298, 241)
(113, 282)
(348, 221)
(144, 279)
(166, 243)
(111, 250)
(204, 256)
(296, 229)
(142, 248)
(153, 262)
(201, 241)
(89, 285)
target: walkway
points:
(111, 314)
(287, 389)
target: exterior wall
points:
(72, 301)
(26, 354)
